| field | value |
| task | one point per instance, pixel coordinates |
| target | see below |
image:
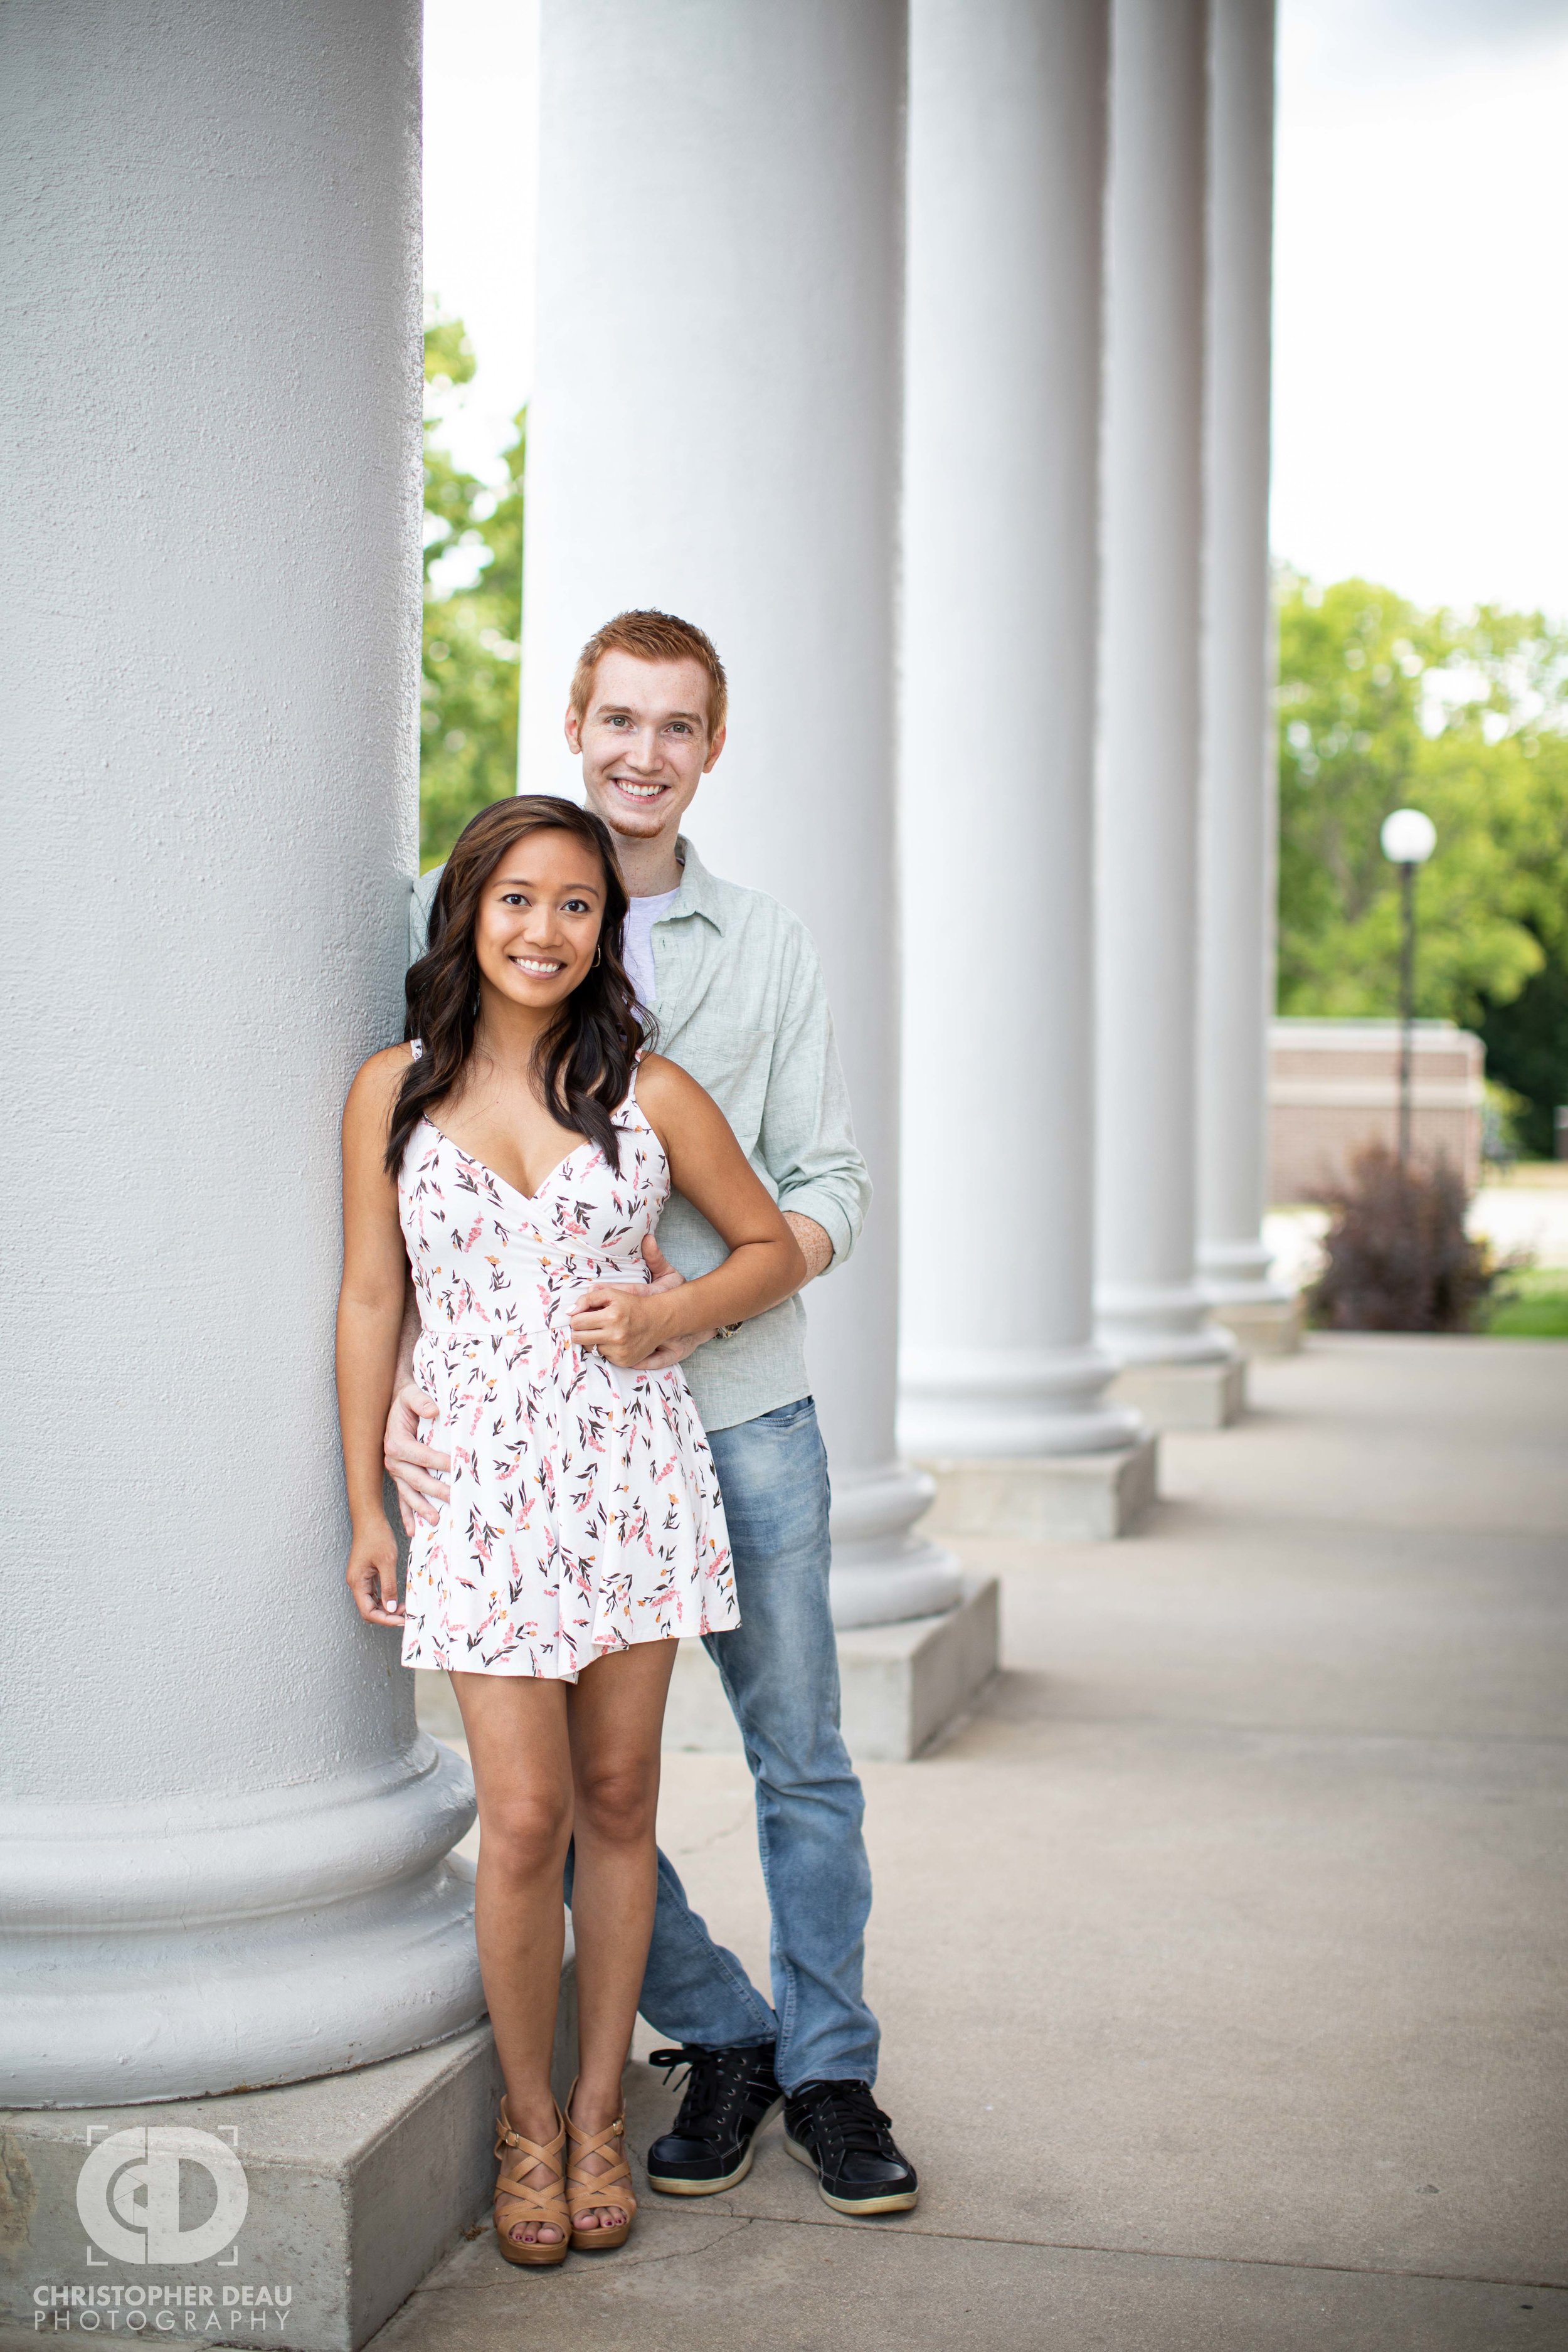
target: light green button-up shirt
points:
(742, 1005)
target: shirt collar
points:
(699, 893)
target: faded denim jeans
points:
(779, 1672)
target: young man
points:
(734, 982)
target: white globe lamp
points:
(1409, 837)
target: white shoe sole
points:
(668, 2187)
(899, 2202)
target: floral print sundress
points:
(585, 1512)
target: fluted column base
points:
(1237, 1272)
(882, 1570)
(180, 1949)
(1009, 1404)
(1261, 1316)
(1148, 1323)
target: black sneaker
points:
(729, 2096)
(840, 2131)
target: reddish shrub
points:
(1399, 1258)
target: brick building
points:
(1333, 1087)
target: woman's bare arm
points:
(709, 1167)
(370, 1318)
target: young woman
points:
(517, 1152)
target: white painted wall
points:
(715, 431)
(210, 714)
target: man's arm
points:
(806, 1139)
(814, 1243)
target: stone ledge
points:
(358, 2183)
(903, 1686)
(1184, 1396)
(1063, 1498)
(1262, 1327)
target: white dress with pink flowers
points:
(585, 1512)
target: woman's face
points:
(537, 924)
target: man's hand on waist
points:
(814, 1245)
(668, 1278)
(419, 1472)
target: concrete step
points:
(344, 2193)
(1184, 1396)
(1051, 1499)
(903, 1686)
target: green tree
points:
(1383, 705)
(468, 747)
(1526, 1049)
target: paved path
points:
(1220, 1957)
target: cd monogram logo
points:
(128, 2195)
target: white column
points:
(1007, 130)
(1236, 965)
(1150, 1308)
(715, 431)
(222, 1856)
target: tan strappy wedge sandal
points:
(525, 2200)
(611, 2187)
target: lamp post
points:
(1408, 839)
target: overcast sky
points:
(480, 186)
(1421, 328)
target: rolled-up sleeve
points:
(806, 1140)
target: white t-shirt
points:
(637, 942)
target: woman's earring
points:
(594, 965)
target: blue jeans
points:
(779, 1672)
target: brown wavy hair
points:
(585, 1058)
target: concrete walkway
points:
(1220, 1957)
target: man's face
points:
(645, 743)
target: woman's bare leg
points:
(615, 1718)
(521, 1757)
